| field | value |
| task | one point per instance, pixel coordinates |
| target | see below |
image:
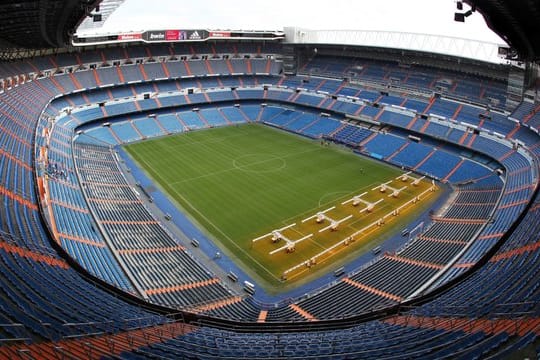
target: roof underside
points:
(516, 21)
(436, 44)
(40, 24)
(97, 17)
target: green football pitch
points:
(241, 182)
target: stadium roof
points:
(437, 44)
(33, 24)
(97, 17)
(516, 21)
(38, 24)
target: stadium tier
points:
(90, 268)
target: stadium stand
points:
(82, 258)
(290, 120)
(145, 247)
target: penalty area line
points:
(314, 209)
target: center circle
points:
(259, 163)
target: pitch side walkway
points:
(185, 230)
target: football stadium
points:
(205, 193)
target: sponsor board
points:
(124, 37)
(154, 36)
(194, 35)
(174, 35)
(220, 34)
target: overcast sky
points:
(419, 16)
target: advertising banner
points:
(154, 35)
(197, 34)
(125, 37)
(220, 34)
(175, 35)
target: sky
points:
(417, 16)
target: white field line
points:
(236, 167)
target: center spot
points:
(259, 163)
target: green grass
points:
(240, 182)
